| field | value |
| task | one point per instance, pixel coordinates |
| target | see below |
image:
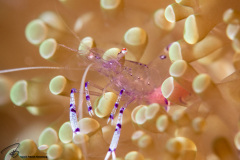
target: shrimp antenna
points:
(30, 68)
(80, 52)
(68, 28)
(71, 49)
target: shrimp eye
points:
(121, 54)
(91, 56)
(124, 51)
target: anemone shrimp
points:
(134, 81)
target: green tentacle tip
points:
(65, 133)
(27, 148)
(57, 84)
(48, 48)
(18, 93)
(36, 31)
(54, 151)
(48, 137)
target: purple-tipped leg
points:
(116, 137)
(89, 105)
(111, 117)
(73, 115)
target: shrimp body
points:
(135, 81)
(140, 81)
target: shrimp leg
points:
(111, 117)
(73, 115)
(89, 105)
(116, 136)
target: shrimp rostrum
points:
(133, 81)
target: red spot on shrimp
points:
(157, 97)
(124, 51)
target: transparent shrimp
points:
(133, 81)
